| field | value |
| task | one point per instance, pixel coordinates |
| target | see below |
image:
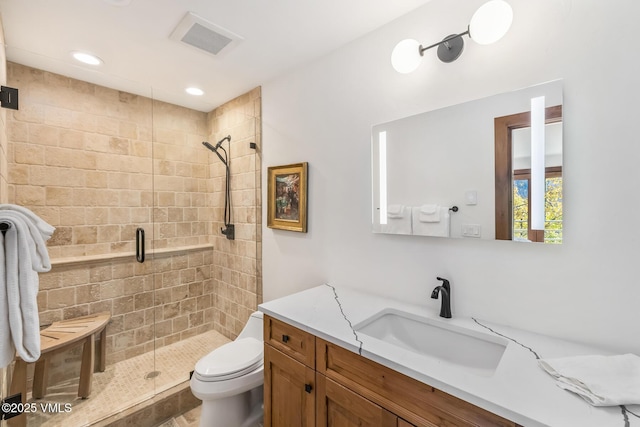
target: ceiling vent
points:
(202, 34)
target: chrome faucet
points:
(445, 308)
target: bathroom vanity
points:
(332, 358)
(310, 381)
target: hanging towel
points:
(395, 211)
(398, 222)
(434, 229)
(600, 380)
(429, 213)
(40, 232)
(6, 346)
(25, 254)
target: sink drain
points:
(151, 375)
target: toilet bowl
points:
(229, 380)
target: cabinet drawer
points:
(410, 399)
(290, 340)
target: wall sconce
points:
(488, 25)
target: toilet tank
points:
(253, 328)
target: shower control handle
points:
(285, 338)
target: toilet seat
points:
(232, 360)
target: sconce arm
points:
(444, 41)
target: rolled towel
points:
(600, 380)
(429, 213)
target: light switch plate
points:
(471, 197)
(472, 230)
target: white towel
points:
(600, 380)
(25, 254)
(434, 229)
(395, 211)
(400, 223)
(429, 213)
(6, 346)
(40, 231)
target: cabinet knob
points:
(285, 338)
(308, 388)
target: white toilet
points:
(229, 380)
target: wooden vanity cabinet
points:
(336, 387)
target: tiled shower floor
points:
(124, 385)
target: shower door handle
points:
(140, 245)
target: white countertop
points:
(518, 390)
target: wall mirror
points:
(485, 169)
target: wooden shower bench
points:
(61, 336)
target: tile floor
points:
(128, 383)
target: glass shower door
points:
(182, 250)
(80, 157)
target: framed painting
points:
(287, 197)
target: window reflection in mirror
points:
(521, 139)
(513, 165)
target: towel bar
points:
(4, 226)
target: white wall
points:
(587, 289)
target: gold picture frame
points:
(287, 197)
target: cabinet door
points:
(289, 391)
(337, 406)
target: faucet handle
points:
(445, 283)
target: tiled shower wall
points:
(81, 156)
(237, 263)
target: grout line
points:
(355, 334)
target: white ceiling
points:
(132, 37)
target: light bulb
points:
(194, 91)
(491, 22)
(86, 58)
(406, 57)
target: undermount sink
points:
(476, 351)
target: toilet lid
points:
(231, 360)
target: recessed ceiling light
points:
(194, 91)
(86, 58)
